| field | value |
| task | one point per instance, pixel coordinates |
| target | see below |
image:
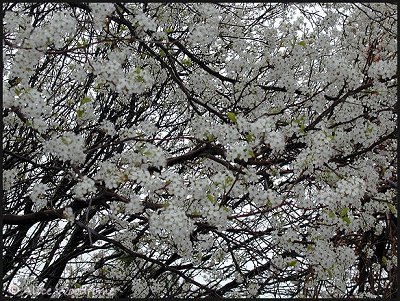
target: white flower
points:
(109, 128)
(38, 195)
(99, 12)
(9, 177)
(9, 98)
(278, 261)
(174, 221)
(69, 215)
(203, 34)
(68, 147)
(134, 205)
(238, 277)
(252, 288)
(146, 22)
(84, 187)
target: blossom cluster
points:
(84, 187)
(69, 214)
(9, 178)
(39, 195)
(256, 138)
(174, 222)
(99, 12)
(67, 147)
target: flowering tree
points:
(193, 150)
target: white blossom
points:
(69, 214)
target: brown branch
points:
(200, 62)
(352, 156)
(193, 154)
(334, 104)
(32, 218)
(149, 259)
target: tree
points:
(192, 150)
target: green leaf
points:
(384, 260)
(211, 197)
(139, 77)
(229, 180)
(329, 136)
(346, 220)
(147, 153)
(98, 86)
(169, 30)
(162, 53)
(85, 100)
(80, 112)
(251, 153)
(275, 111)
(232, 117)
(331, 214)
(249, 137)
(63, 140)
(300, 119)
(392, 208)
(343, 212)
(300, 123)
(196, 213)
(302, 43)
(210, 137)
(137, 70)
(187, 62)
(292, 263)
(77, 285)
(123, 28)
(343, 215)
(68, 40)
